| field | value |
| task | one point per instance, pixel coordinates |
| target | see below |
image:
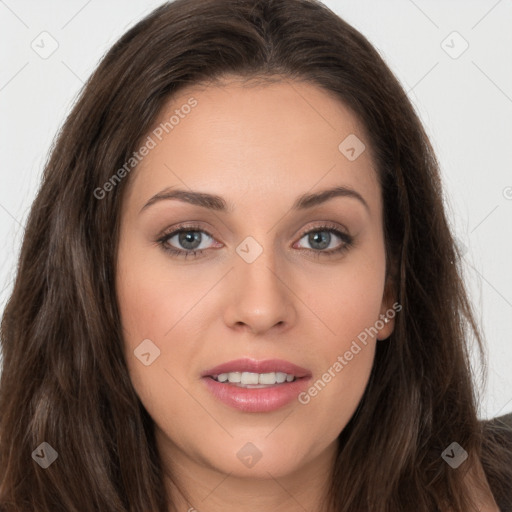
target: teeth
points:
(280, 377)
(234, 377)
(250, 378)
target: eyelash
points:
(348, 241)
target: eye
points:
(321, 238)
(189, 240)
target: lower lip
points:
(256, 399)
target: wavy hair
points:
(64, 379)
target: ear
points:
(389, 309)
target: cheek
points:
(157, 303)
(146, 306)
(348, 304)
(141, 308)
(148, 311)
(152, 296)
(334, 395)
(346, 299)
(345, 357)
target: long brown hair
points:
(64, 379)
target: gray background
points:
(464, 99)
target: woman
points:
(253, 368)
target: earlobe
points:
(385, 325)
(390, 307)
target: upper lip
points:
(255, 366)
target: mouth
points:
(251, 372)
(256, 386)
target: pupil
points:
(189, 237)
(326, 238)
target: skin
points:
(258, 147)
(478, 487)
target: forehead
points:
(284, 137)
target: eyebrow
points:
(217, 203)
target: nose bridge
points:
(256, 265)
(260, 298)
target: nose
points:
(261, 296)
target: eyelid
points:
(324, 225)
(185, 226)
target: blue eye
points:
(322, 237)
(188, 236)
(191, 237)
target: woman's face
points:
(263, 290)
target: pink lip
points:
(265, 399)
(252, 365)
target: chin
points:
(259, 456)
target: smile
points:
(256, 386)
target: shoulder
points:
(496, 460)
(480, 490)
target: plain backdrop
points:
(453, 58)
